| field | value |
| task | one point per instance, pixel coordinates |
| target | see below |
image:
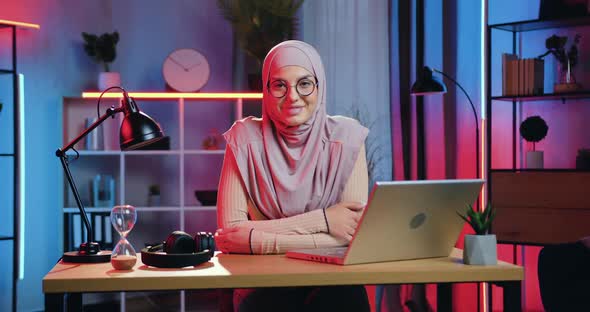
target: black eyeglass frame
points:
(317, 83)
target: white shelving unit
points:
(187, 118)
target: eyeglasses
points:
(304, 87)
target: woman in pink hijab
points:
(295, 178)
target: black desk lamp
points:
(428, 84)
(138, 130)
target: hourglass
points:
(123, 219)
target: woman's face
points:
(293, 108)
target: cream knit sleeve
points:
(355, 190)
(233, 207)
(307, 230)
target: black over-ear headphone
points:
(180, 250)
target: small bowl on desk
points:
(206, 198)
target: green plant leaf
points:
(259, 25)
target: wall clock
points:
(186, 70)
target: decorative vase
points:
(108, 79)
(566, 80)
(480, 250)
(153, 200)
(534, 159)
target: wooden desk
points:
(247, 271)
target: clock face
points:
(186, 70)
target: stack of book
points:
(522, 77)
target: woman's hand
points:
(233, 240)
(343, 219)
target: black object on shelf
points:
(138, 130)
(206, 198)
(556, 9)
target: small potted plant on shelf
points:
(103, 49)
(480, 248)
(534, 129)
(567, 58)
(212, 140)
(154, 195)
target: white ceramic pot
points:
(534, 159)
(108, 79)
(480, 250)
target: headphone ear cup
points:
(204, 241)
(181, 250)
(179, 242)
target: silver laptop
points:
(404, 220)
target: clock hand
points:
(190, 67)
(177, 63)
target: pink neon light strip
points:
(175, 95)
(19, 24)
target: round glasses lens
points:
(305, 87)
(278, 88)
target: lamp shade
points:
(138, 130)
(428, 84)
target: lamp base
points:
(89, 253)
(77, 257)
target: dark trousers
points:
(326, 298)
(564, 277)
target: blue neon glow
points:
(21, 176)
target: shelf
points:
(2, 238)
(162, 208)
(204, 152)
(538, 24)
(539, 170)
(544, 97)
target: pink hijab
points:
(288, 170)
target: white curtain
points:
(352, 37)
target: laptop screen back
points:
(412, 220)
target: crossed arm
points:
(238, 234)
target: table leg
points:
(444, 297)
(74, 302)
(54, 302)
(512, 296)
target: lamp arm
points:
(61, 153)
(474, 115)
(110, 112)
(464, 92)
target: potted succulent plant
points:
(103, 49)
(567, 58)
(534, 129)
(480, 248)
(258, 26)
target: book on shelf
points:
(522, 76)
(75, 231)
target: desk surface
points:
(244, 271)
